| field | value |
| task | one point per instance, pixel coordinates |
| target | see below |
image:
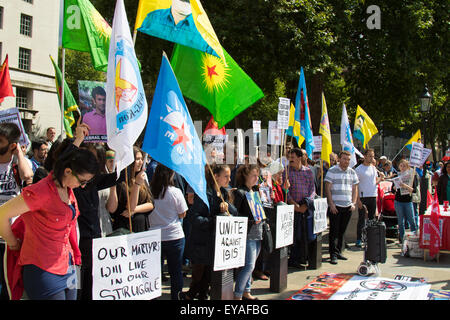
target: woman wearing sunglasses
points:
(48, 213)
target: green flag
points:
(70, 105)
(225, 91)
(84, 29)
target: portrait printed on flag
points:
(92, 101)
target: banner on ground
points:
(13, 115)
(127, 267)
(284, 235)
(92, 102)
(230, 242)
(374, 288)
(322, 287)
(320, 215)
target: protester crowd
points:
(63, 194)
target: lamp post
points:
(425, 103)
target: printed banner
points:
(283, 113)
(127, 267)
(322, 288)
(231, 238)
(274, 134)
(320, 215)
(426, 231)
(415, 158)
(92, 101)
(13, 115)
(374, 288)
(284, 235)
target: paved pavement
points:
(436, 273)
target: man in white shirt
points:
(367, 195)
(341, 189)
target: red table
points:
(444, 227)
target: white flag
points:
(126, 105)
(346, 137)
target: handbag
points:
(267, 239)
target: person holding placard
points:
(170, 208)
(246, 181)
(403, 198)
(200, 243)
(48, 212)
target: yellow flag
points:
(417, 137)
(324, 130)
(294, 126)
(364, 128)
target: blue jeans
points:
(173, 252)
(404, 211)
(244, 278)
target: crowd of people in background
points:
(60, 188)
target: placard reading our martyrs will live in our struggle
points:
(127, 267)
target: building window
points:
(26, 24)
(29, 1)
(21, 97)
(1, 17)
(24, 58)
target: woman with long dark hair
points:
(200, 243)
(48, 211)
(144, 205)
(170, 208)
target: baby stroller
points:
(388, 215)
(374, 239)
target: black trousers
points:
(371, 205)
(86, 269)
(338, 225)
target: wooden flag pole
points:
(128, 199)
(321, 178)
(62, 90)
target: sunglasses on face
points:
(81, 182)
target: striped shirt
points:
(301, 183)
(341, 185)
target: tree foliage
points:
(382, 70)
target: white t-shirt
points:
(165, 214)
(367, 176)
(8, 185)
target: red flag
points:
(429, 198)
(212, 128)
(435, 235)
(6, 89)
(380, 198)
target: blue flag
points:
(170, 136)
(302, 113)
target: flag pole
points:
(134, 36)
(321, 177)
(63, 81)
(128, 199)
(398, 153)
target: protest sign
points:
(322, 287)
(255, 204)
(415, 158)
(127, 267)
(320, 215)
(230, 242)
(317, 143)
(274, 134)
(426, 231)
(284, 235)
(12, 115)
(283, 113)
(92, 105)
(373, 288)
(256, 126)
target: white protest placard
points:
(284, 235)
(283, 113)
(230, 242)
(274, 137)
(256, 126)
(374, 288)
(320, 215)
(425, 154)
(13, 115)
(415, 158)
(317, 143)
(127, 267)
